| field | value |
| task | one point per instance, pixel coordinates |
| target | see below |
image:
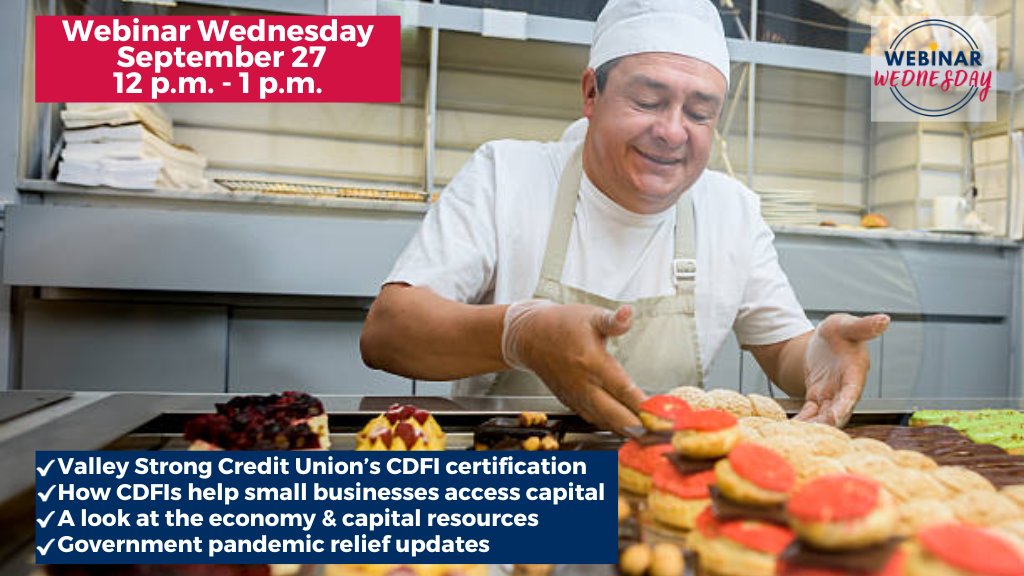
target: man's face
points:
(651, 128)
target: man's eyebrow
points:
(647, 81)
(705, 97)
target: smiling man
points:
(612, 264)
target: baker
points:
(612, 264)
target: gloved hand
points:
(836, 366)
(564, 345)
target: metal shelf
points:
(569, 31)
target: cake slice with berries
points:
(402, 428)
(288, 421)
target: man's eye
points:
(646, 105)
(700, 118)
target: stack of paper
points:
(125, 146)
(789, 207)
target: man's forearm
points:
(783, 362)
(413, 332)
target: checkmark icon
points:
(43, 522)
(43, 549)
(42, 496)
(45, 469)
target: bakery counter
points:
(137, 421)
(31, 421)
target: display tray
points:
(950, 448)
(163, 431)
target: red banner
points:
(218, 59)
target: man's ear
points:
(588, 85)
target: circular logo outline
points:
(903, 100)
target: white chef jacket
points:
(483, 243)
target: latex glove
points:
(564, 345)
(836, 365)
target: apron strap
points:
(562, 218)
(684, 263)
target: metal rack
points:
(436, 17)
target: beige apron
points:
(660, 351)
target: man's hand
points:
(836, 365)
(564, 345)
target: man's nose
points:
(671, 129)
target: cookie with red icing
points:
(637, 463)
(842, 511)
(738, 547)
(962, 550)
(705, 433)
(659, 413)
(754, 474)
(676, 499)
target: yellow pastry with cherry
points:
(402, 428)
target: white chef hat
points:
(687, 27)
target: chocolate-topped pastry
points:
(725, 509)
(800, 558)
(646, 437)
(502, 429)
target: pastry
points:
(659, 413)
(666, 560)
(675, 498)
(895, 566)
(697, 398)
(984, 508)
(402, 428)
(731, 401)
(1014, 529)
(907, 484)
(756, 422)
(295, 407)
(289, 421)
(753, 474)
(738, 547)
(959, 479)
(962, 550)
(748, 431)
(783, 429)
(766, 407)
(874, 221)
(792, 448)
(624, 510)
(842, 511)
(825, 445)
(821, 429)
(866, 463)
(504, 432)
(871, 446)
(815, 467)
(913, 459)
(705, 433)
(1015, 493)
(917, 514)
(637, 463)
(635, 559)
